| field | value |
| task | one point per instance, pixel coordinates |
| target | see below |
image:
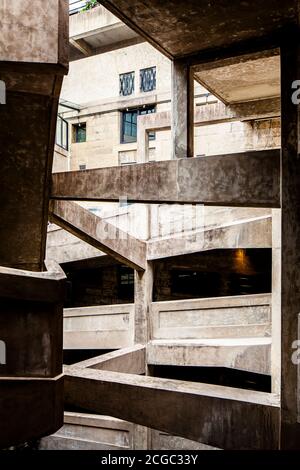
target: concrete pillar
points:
(141, 439)
(290, 232)
(143, 288)
(182, 110)
(276, 301)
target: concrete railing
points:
(231, 317)
(100, 327)
(90, 21)
(97, 432)
(211, 113)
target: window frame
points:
(144, 79)
(139, 111)
(122, 89)
(63, 125)
(77, 126)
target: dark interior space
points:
(213, 273)
(214, 375)
(103, 284)
(72, 356)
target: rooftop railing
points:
(75, 6)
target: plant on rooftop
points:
(90, 4)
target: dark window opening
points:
(106, 285)
(129, 124)
(72, 356)
(127, 83)
(79, 133)
(192, 283)
(82, 167)
(126, 283)
(216, 273)
(148, 79)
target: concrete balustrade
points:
(98, 432)
(100, 327)
(220, 317)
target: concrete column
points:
(276, 301)
(290, 231)
(141, 440)
(182, 110)
(143, 288)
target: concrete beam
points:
(219, 416)
(82, 46)
(130, 360)
(246, 354)
(226, 180)
(98, 233)
(47, 286)
(253, 233)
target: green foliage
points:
(90, 4)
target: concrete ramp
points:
(225, 416)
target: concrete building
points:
(174, 226)
(117, 77)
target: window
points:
(79, 133)
(187, 283)
(82, 167)
(126, 283)
(127, 83)
(129, 124)
(62, 133)
(148, 79)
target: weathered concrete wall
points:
(17, 19)
(89, 82)
(60, 160)
(30, 377)
(101, 327)
(34, 58)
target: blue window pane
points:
(129, 124)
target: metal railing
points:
(76, 6)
